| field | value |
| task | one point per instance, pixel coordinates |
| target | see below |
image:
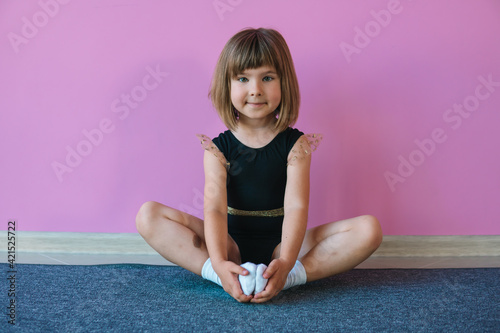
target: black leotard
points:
(256, 181)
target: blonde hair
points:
(253, 48)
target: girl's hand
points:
(228, 273)
(276, 272)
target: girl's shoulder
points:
(210, 146)
(217, 141)
(292, 134)
(304, 145)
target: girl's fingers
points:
(243, 298)
(234, 288)
(231, 283)
(271, 269)
(239, 295)
(264, 296)
(237, 269)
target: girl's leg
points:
(177, 236)
(337, 247)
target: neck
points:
(256, 133)
(248, 125)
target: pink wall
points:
(375, 76)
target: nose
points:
(256, 89)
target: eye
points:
(267, 78)
(242, 79)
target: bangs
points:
(253, 51)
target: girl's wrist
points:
(288, 262)
(217, 261)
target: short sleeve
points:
(304, 146)
(209, 146)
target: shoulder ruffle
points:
(304, 146)
(209, 146)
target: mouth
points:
(255, 105)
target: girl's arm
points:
(215, 226)
(294, 227)
(296, 211)
(215, 208)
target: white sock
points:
(297, 276)
(247, 282)
(208, 273)
(254, 282)
(260, 282)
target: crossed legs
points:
(327, 249)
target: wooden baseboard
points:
(80, 243)
(439, 246)
(132, 243)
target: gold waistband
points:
(267, 213)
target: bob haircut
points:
(249, 49)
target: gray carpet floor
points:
(143, 298)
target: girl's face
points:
(256, 93)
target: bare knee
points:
(370, 228)
(145, 216)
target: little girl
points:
(257, 186)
